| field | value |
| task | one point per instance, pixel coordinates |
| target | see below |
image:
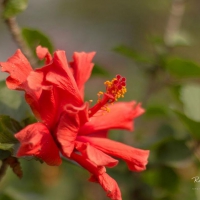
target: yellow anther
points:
(100, 93)
(105, 108)
(115, 89)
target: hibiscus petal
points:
(136, 159)
(19, 68)
(99, 176)
(45, 107)
(40, 97)
(68, 127)
(99, 134)
(121, 116)
(61, 77)
(109, 185)
(96, 156)
(66, 133)
(43, 53)
(36, 140)
(82, 68)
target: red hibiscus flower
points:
(68, 125)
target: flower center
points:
(115, 89)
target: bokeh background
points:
(131, 38)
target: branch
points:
(174, 21)
(17, 36)
(172, 28)
(15, 31)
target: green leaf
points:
(129, 52)
(12, 103)
(165, 131)
(190, 96)
(173, 151)
(35, 37)
(8, 127)
(6, 146)
(15, 194)
(180, 39)
(156, 40)
(14, 7)
(192, 126)
(176, 92)
(183, 68)
(99, 71)
(5, 197)
(4, 154)
(163, 177)
(28, 120)
(164, 134)
(156, 111)
(8, 97)
(167, 179)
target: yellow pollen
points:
(115, 89)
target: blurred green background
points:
(134, 39)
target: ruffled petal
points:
(68, 127)
(60, 75)
(96, 156)
(121, 116)
(40, 97)
(43, 53)
(82, 68)
(136, 159)
(99, 176)
(19, 68)
(36, 140)
(45, 107)
(66, 133)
